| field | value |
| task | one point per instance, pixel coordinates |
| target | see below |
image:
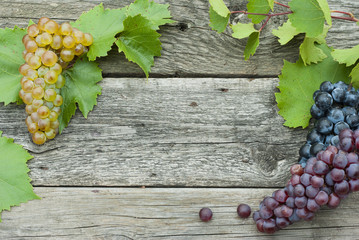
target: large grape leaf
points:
(298, 83)
(219, 7)
(103, 24)
(285, 33)
(158, 14)
(258, 6)
(271, 4)
(326, 10)
(355, 76)
(309, 51)
(252, 44)
(81, 88)
(217, 22)
(139, 42)
(15, 187)
(347, 56)
(307, 17)
(11, 49)
(242, 30)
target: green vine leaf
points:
(285, 33)
(355, 76)
(103, 24)
(326, 10)
(15, 187)
(309, 52)
(139, 42)
(347, 56)
(258, 6)
(11, 49)
(217, 22)
(252, 44)
(307, 17)
(298, 83)
(271, 4)
(157, 14)
(81, 88)
(219, 7)
(242, 30)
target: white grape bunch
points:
(49, 48)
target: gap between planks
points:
(136, 213)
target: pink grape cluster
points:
(325, 180)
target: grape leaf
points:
(103, 24)
(271, 4)
(309, 52)
(11, 49)
(298, 83)
(355, 76)
(258, 6)
(219, 7)
(242, 30)
(217, 22)
(307, 17)
(326, 10)
(347, 56)
(252, 44)
(81, 88)
(285, 33)
(158, 14)
(139, 42)
(15, 187)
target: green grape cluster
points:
(49, 48)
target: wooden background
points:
(204, 130)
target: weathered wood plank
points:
(190, 48)
(129, 213)
(168, 132)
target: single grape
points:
(323, 101)
(317, 112)
(337, 174)
(338, 127)
(326, 87)
(353, 171)
(341, 188)
(39, 137)
(205, 214)
(49, 58)
(333, 201)
(316, 181)
(314, 136)
(33, 30)
(311, 191)
(243, 210)
(351, 98)
(324, 125)
(348, 111)
(336, 115)
(338, 95)
(42, 22)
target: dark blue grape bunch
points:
(335, 108)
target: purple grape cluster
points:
(325, 180)
(335, 108)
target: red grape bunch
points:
(325, 180)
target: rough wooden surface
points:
(170, 213)
(190, 48)
(189, 132)
(168, 132)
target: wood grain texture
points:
(129, 213)
(168, 132)
(190, 48)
